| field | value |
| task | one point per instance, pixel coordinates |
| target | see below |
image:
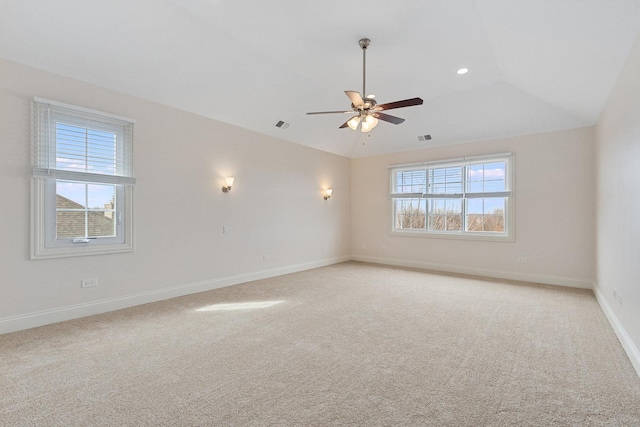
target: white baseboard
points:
(46, 317)
(508, 275)
(629, 347)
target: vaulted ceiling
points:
(534, 66)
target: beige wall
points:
(554, 216)
(618, 207)
(275, 207)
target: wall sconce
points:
(327, 193)
(228, 183)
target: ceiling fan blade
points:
(330, 112)
(388, 118)
(355, 98)
(399, 104)
(344, 125)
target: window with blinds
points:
(462, 197)
(83, 179)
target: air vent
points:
(282, 125)
(424, 138)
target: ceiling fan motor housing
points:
(368, 105)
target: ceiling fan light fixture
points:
(353, 123)
(369, 123)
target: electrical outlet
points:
(266, 257)
(225, 230)
(615, 294)
(523, 260)
(89, 283)
(324, 249)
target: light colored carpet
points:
(349, 344)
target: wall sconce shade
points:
(228, 183)
(327, 193)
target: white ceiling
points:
(535, 66)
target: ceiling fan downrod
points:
(364, 44)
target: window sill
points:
(66, 252)
(509, 238)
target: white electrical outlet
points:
(523, 260)
(266, 257)
(89, 283)
(225, 230)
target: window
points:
(462, 198)
(83, 181)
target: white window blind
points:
(79, 144)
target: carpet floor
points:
(348, 344)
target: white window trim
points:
(39, 249)
(507, 236)
(42, 221)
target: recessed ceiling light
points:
(463, 71)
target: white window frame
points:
(46, 173)
(509, 227)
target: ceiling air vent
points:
(424, 138)
(282, 125)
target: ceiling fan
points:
(368, 112)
